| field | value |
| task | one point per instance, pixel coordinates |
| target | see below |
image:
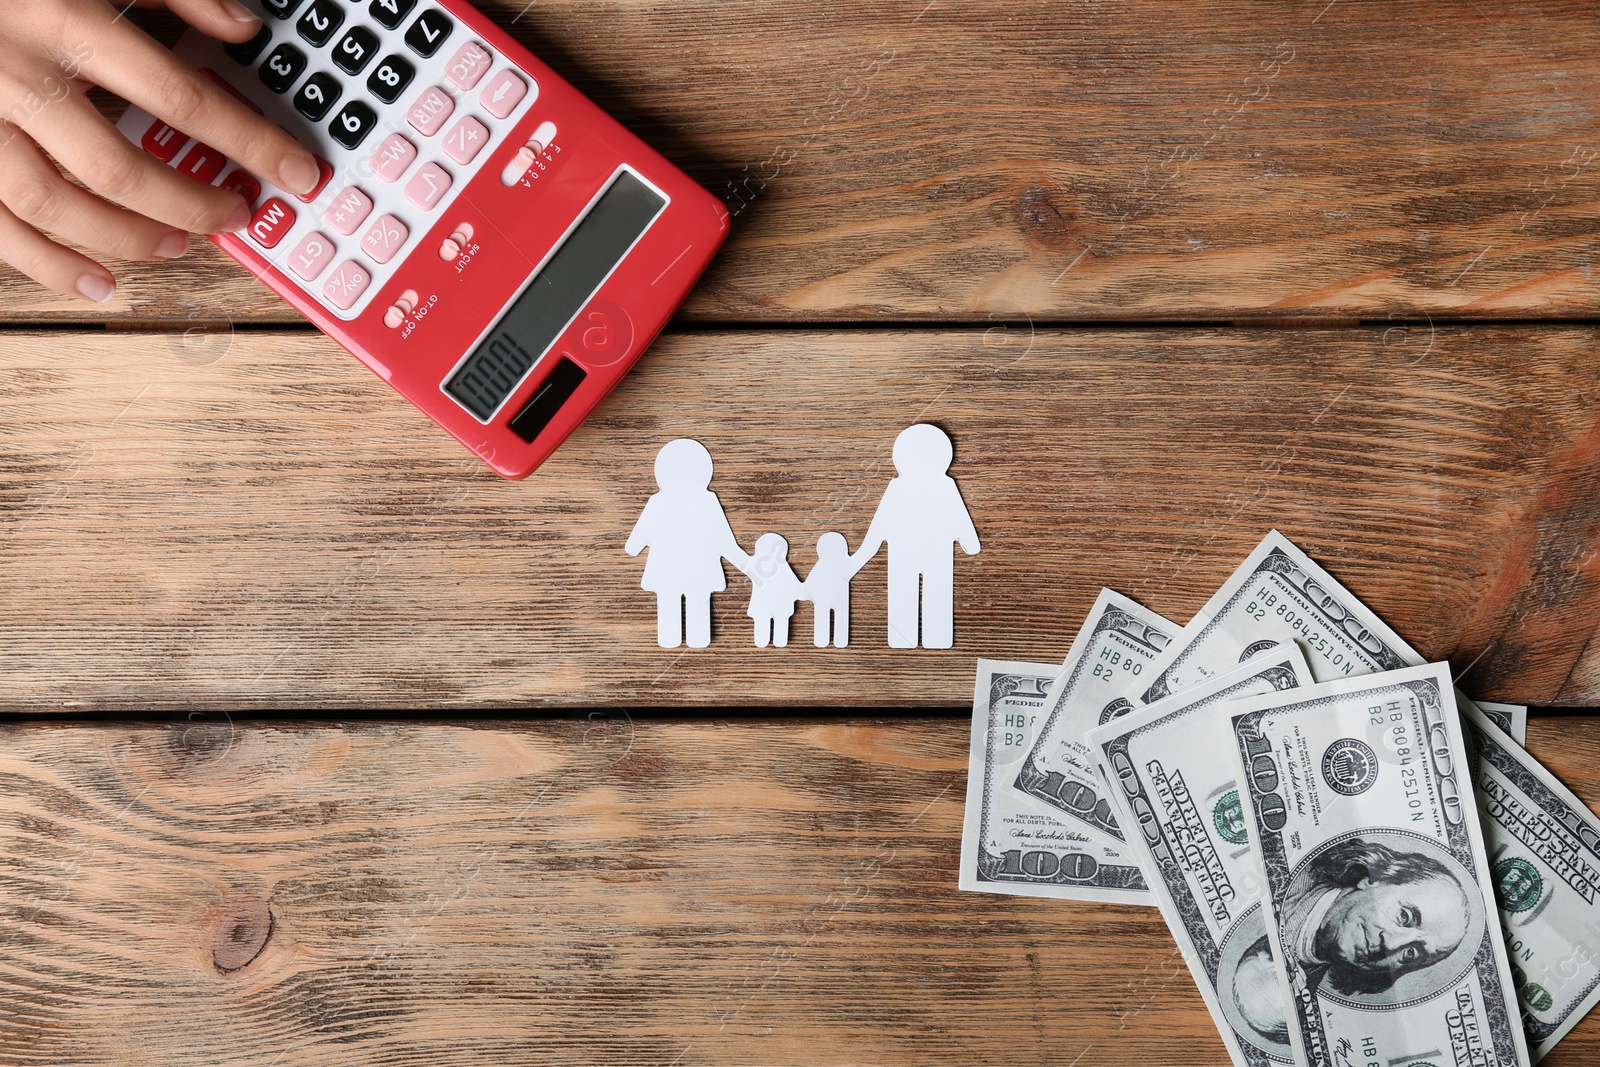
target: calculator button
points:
(348, 210)
(352, 124)
(324, 175)
(427, 186)
(385, 238)
(468, 66)
(465, 140)
(283, 67)
(503, 93)
(163, 142)
(281, 8)
(391, 13)
(320, 22)
(310, 257)
(428, 32)
(356, 50)
(318, 95)
(202, 163)
(390, 79)
(393, 156)
(230, 90)
(244, 183)
(248, 52)
(271, 222)
(430, 110)
(345, 286)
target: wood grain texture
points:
(603, 891)
(1128, 160)
(275, 528)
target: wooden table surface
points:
(1170, 275)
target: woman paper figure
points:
(828, 589)
(688, 536)
(773, 590)
(921, 518)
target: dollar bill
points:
(1512, 718)
(1114, 646)
(1007, 845)
(1174, 789)
(1381, 923)
(1544, 862)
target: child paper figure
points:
(828, 589)
(921, 518)
(773, 590)
(688, 536)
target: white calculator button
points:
(346, 285)
(393, 156)
(465, 140)
(385, 238)
(311, 256)
(468, 66)
(503, 93)
(427, 186)
(430, 110)
(348, 210)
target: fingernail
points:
(299, 174)
(239, 12)
(96, 287)
(237, 219)
(173, 245)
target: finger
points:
(37, 194)
(85, 144)
(227, 20)
(130, 64)
(52, 266)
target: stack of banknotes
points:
(1360, 864)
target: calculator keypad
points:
(371, 87)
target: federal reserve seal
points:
(1517, 885)
(1349, 766)
(1115, 710)
(1227, 815)
(1255, 646)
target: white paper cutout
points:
(921, 519)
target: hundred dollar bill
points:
(1113, 648)
(1007, 845)
(1544, 862)
(1173, 785)
(1381, 921)
(1512, 718)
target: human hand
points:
(50, 52)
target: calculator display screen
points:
(555, 296)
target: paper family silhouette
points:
(921, 518)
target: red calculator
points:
(486, 239)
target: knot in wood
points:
(1042, 219)
(241, 934)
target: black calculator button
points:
(391, 13)
(390, 79)
(318, 95)
(247, 51)
(281, 8)
(320, 22)
(428, 32)
(283, 68)
(356, 50)
(351, 126)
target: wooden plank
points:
(1140, 160)
(275, 528)
(611, 891)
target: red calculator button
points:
(310, 257)
(469, 65)
(385, 238)
(345, 286)
(465, 140)
(272, 220)
(427, 186)
(393, 156)
(162, 141)
(348, 210)
(202, 163)
(430, 110)
(244, 183)
(503, 93)
(236, 94)
(324, 176)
